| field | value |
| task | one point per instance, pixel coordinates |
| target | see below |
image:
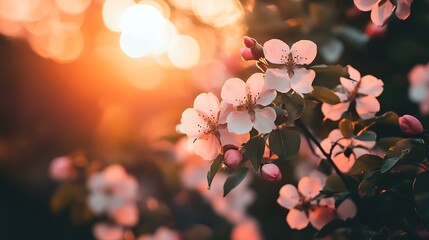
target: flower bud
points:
(252, 50)
(270, 172)
(62, 169)
(249, 42)
(232, 158)
(410, 125)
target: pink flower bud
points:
(247, 55)
(410, 125)
(252, 50)
(249, 42)
(232, 158)
(271, 173)
(62, 169)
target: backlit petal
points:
(264, 119)
(380, 14)
(403, 9)
(371, 85)
(304, 52)
(258, 90)
(309, 187)
(234, 92)
(277, 79)
(297, 219)
(288, 196)
(239, 122)
(367, 106)
(276, 51)
(193, 123)
(320, 216)
(302, 79)
(207, 103)
(347, 209)
(334, 112)
(365, 5)
(207, 147)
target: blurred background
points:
(105, 81)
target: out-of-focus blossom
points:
(271, 173)
(362, 90)
(62, 169)
(419, 86)
(347, 209)
(162, 233)
(204, 125)
(252, 50)
(114, 192)
(105, 231)
(249, 100)
(382, 10)
(303, 208)
(410, 125)
(247, 230)
(346, 150)
(292, 75)
(374, 31)
(232, 158)
(332, 50)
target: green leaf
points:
(366, 163)
(367, 136)
(421, 194)
(387, 142)
(390, 162)
(346, 127)
(285, 143)
(214, 168)
(294, 105)
(255, 149)
(323, 94)
(404, 151)
(334, 183)
(65, 196)
(332, 226)
(390, 118)
(337, 70)
(234, 179)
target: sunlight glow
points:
(184, 52)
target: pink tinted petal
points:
(297, 219)
(247, 230)
(371, 85)
(192, 123)
(367, 106)
(127, 215)
(354, 74)
(264, 119)
(335, 135)
(320, 216)
(207, 103)
(207, 147)
(348, 84)
(347, 209)
(365, 5)
(327, 202)
(104, 231)
(334, 112)
(276, 51)
(304, 52)
(309, 187)
(277, 79)
(358, 151)
(302, 79)
(380, 14)
(289, 196)
(258, 90)
(227, 137)
(114, 172)
(343, 163)
(225, 110)
(239, 122)
(419, 75)
(234, 92)
(424, 106)
(403, 9)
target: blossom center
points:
(210, 123)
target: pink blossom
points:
(270, 172)
(419, 86)
(347, 209)
(410, 125)
(246, 230)
(114, 192)
(62, 169)
(162, 233)
(105, 231)
(204, 124)
(292, 75)
(382, 10)
(232, 158)
(363, 90)
(249, 100)
(303, 208)
(346, 150)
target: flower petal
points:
(288, 196)
(403, 9)
(309, 187)
(193, 123)
(239, 122)
(257, 89)
(304, 52)
(126, 215)
(276, 51)
(225, 110)
(354, 74)
(264, 119)
(227, 137)
(367, 106)
(343, 163)
(365, 5)
(207, 103)
(380, 14)
(370, 85)
(234, 92)
(297, 219)
(207, 147)
(302, 79)
(334, 112)
(347, 209)
(277, 79)
(320, 216)
(105, 231)
(348, 84)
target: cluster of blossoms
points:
(381, 10)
